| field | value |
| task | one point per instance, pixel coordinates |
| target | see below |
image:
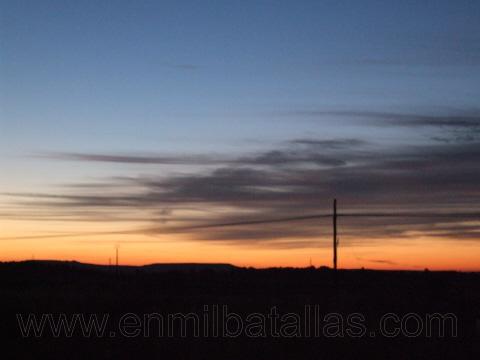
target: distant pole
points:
(116, 260)
(334, 234)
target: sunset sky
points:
(140, 124)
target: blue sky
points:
(124, 74)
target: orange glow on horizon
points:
(415, 253)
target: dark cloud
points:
(231, 201)
(317, 153)
(468, 119)
(446, 128)
(279, 157)
(331, 144)
(382, 261)
(137, 159)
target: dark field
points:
(284, 313)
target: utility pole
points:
(116, 260)
(335, 234)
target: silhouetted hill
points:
(158, 267)
(189, 267)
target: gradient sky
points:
(140, 123)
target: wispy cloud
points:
(137, 159)
(451, 127)
(382, 261)
(298, 151)
(297, 179)
(468, 119)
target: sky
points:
(144, 125)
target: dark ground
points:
(72, 288)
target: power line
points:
(413, 215)
(470, 215)
(319, 216)
(254, 222)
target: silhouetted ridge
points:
(156, 267)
